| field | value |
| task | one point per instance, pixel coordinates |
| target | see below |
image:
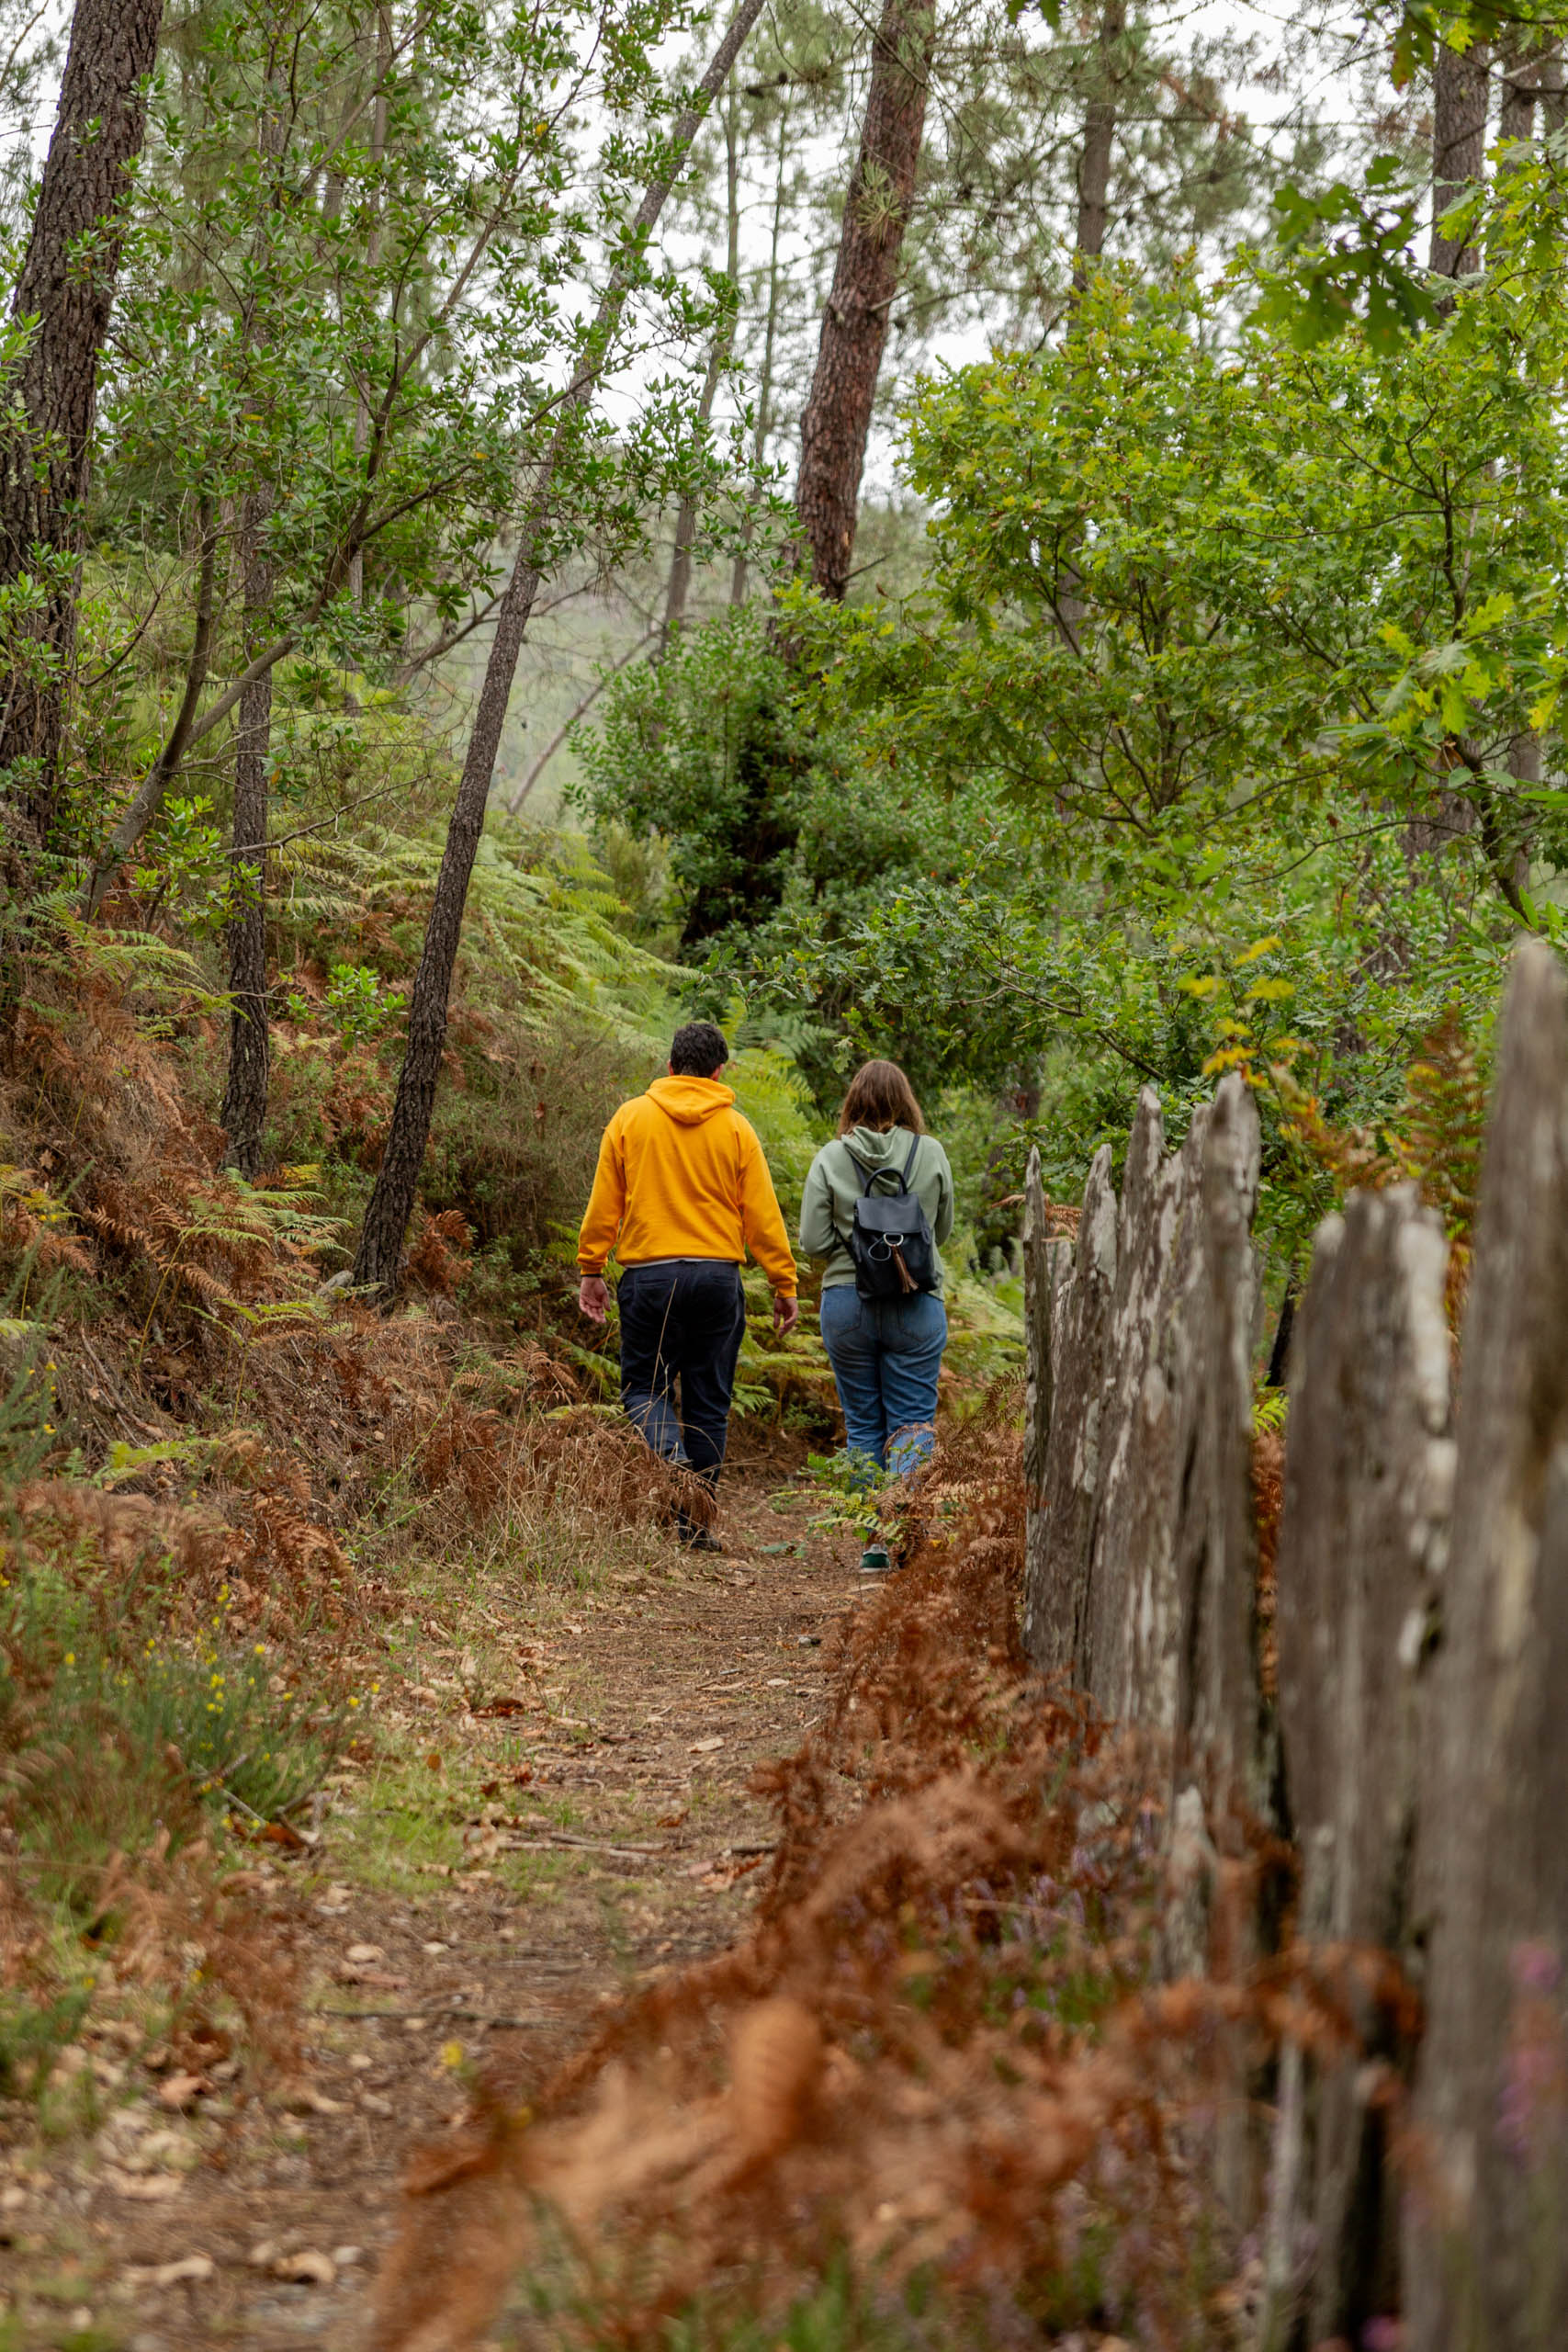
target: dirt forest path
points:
(556, 1809)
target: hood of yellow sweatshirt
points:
(691, 1100)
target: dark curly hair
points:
(697, 1049)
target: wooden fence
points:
(1407, 1725)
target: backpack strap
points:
(868, 1176)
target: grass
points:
(840, 2314)
(115, 1733)
(32, 2034)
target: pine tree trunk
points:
(67, 284)
(854, 325)
(244, 1097)
(738, 580)
(379, 1262)
(1099, 135)
(1461, 89)
(1521, 75)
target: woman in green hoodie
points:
(886, 1352)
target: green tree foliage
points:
(1244, 643)
(770, 821)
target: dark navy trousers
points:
(681, 1319)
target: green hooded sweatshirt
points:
(827, 1204)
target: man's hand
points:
(593, 1297)
(786, 1312)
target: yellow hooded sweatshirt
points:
(680, 1175)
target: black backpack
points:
(890, 1236)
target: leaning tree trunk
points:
(244, 1097)
(378, 1262)
(854, 325)
(67, 286)
(1099, 136)
(1460, 92)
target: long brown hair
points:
(880, 1096)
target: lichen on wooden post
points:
(1149, 1426)
(1078, 1287)
(1222, 1743)
(1368, 1479)
(1485, 2237)
(1037, 1395)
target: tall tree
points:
(865, 281)
(1459, 93)
(378, 1262)
(66, 289)
(1099, 135)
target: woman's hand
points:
(593, 1297)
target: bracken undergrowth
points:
(948, 2060)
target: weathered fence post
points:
(1146, 1426)
(1037, 1395)
(1485, 2237)
(1368, 1478)
(1142, 1560)
(1170, 1642)
(1221, 1742)
(1078, 1285)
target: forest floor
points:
(552, 1809)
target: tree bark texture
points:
(1222, 1743)
(67, 285)
(1148, 1427)
(379, 1262)
(1143, 1572)
(1060, 1522)
(854, 325)
(243, 1116)
(1098, 138)
(1459, 93)
(1047, 1270)
(1369, 1486)
(1531, 77)
(1485, 2246)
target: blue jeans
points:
(885, 1356)
(681, 1319)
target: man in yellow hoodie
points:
(680, 1194)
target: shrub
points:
(116, 1733)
